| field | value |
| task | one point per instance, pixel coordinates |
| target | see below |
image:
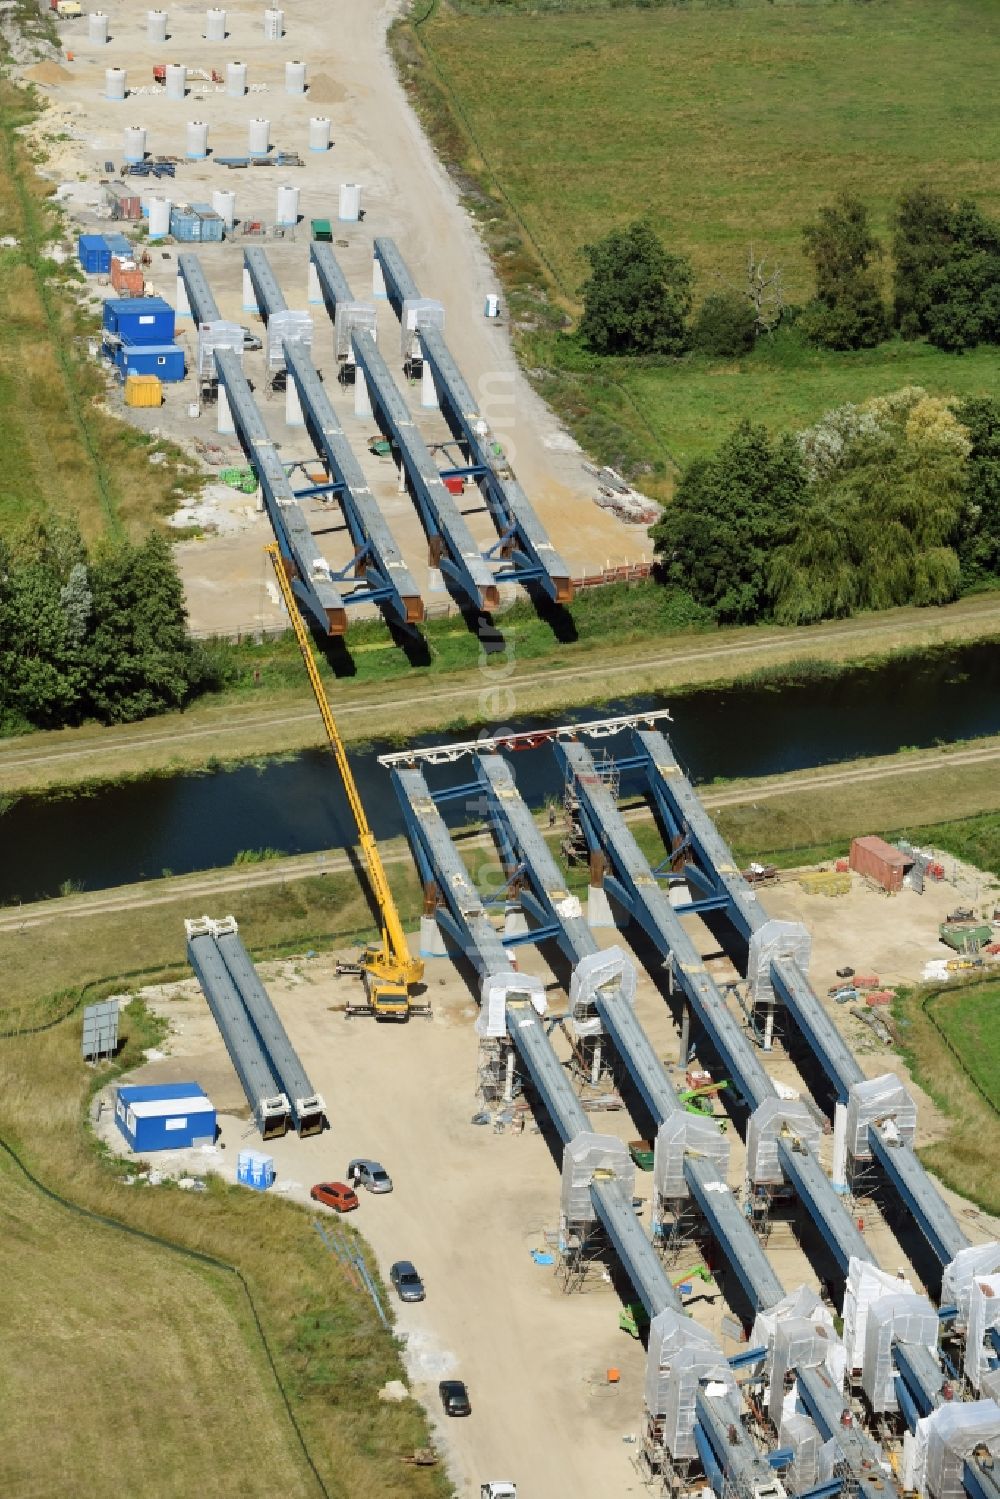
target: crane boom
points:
(392, 969)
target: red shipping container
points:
(455, 485)
(865, 981)
(879, 997)
(880, 862)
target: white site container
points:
(236, 79)
(197, 140)
(215, 25)
(156, 26)
(115, 84)
(259, 137)
(135, 143)
(159, 217)
(176, 80)
(319, 133)
(350, 203)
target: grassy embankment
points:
(727, 125)
(62, 452)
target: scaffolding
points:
(497, 1079)
(677, 1226)
(585, 1256)
(574, 845)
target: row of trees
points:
(101, 636)
(896, 501)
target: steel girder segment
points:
(399, 284)
(312, 581)
(308, 1108)
(921, 1197)
(740, 1245)
(333, 283)
(823, 1204)
(639, 1259)
(388, 577)
(738, 1458)
(825, 1404)
(462, 560)
(270, 298)
(921, 1373)
(204, 308)
(253, 1066)
(979, 1480)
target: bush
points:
(847, 311)
(725, 326)
(638, 296)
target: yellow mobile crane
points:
(389, 971)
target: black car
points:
(408, 1284)
(454, 1398)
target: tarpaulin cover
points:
(774, 1117)
(956, 1282)
(800, 1303)
(953, 1433)
(217, 335)
(865, 1284)
(678, 1136)
(585, 1155)
(802, 1344)
(775, 939)
(496, 989)
(351, 317)
(984, 1316)
(599, 970)
(801, 1434)
(417, 313)
(879, 1098)
(906, 1319)
(287, 327)
(681, 1355)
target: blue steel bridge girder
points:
(270, 298)
(532, 556)
(204, 308)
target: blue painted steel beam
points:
(919, 1194)
(824, 1490)
(270, 298)
(532, 555)
(204, 308)
(719, 1419)
(980, 1479)
(825, 1404)
(380, 559)
(921, 1374)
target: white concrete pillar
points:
(314, 294)
(685, 1046)
(183, 304)
(362, 400)
(431, 941)
(249, 296)
(514, 921)
(508, 1082)
(769, 1026)
(428, 390)
(909, 1474)
(401, 477)
(378, 280)
(839, 1172)
(595, 1062)
(598, 907)
(293, 406)
(225, 421)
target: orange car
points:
(336, 1195)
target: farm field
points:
(970, 1023)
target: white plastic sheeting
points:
(585, 1157)
(800, 1343)
(800, 1303)
(600, 970)
(681, 1355)
(802, 1435)
(348, 318)
(774, 940)
(950, 1435)
(908, 1319)
(875, 1100)
(680, 1135)
(984, 1316)
(418, 312)
(217, 335)
(865, 1284)
(287, 327)
(956, 1283)
(775, 1117)
(497, 989)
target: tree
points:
(42, 677)
(726, 325)
(979, 544)
(921, 244)
(847, 311)
(638, 295)
(964, 291)
(728, 515)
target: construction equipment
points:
(389, 971)
(634, 1318)
(690, 1097)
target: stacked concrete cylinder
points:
(259, 141)
(236, 79)
(135, 143)
(176, 80)
(97, 28)
(215, 25)
(274, 24)
(319, 133)
(350, 202)
(295, 77)
(159, 217)
(156, 26)
(197, 140)
(288, 205)
(224, 203)
(115, 84)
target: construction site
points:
(653, 1149)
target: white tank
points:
(97, 28)
(135, 142)
(259, 137)
(274, 24)
(156, 25)
(215, 25)
(350, 202)
(288, 204)
(115, 84)
(236, 79)
(295, 77)
(159, 217)
(176, 80)
(319, 133)
(197, 140)
(224, 203)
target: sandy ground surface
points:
(378, 144)
(470, 1205)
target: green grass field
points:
(970, 1023)
(729, 126)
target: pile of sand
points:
(49, 73)
(325, 90)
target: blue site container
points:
(254, 1169)
(166, 1116)
(141, 320)
(196, 225)
(95, 254)
(212, 224)
(120, 246)
(164, 360)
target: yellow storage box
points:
(143, 390)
